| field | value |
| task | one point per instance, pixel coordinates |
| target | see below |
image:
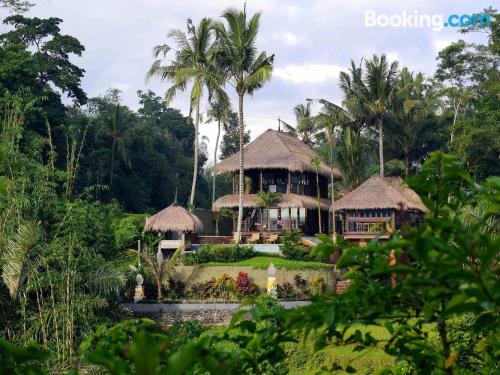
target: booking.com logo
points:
(435, 21)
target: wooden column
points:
(261, 182)
(289, 185)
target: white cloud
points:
(440, 44)
(308, 73)
(290, 39)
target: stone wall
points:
(206, 316)
(205, 313)
(194, 274)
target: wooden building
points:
(378, 206)
(277, 162)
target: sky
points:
(312, 40)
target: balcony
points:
(367, 227)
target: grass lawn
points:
(264, 261)
(302, 359)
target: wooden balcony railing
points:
(366, 227)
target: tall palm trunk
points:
(407, 162)
(196, 154)
(242, 164)
(381, 146)
(332, 177)
(318, 198)
(113, 146)
(215, 161)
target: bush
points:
(318, 285)
(245, 286)
(219, 253)
(223, 287)
(268, 311)
(285, 291)
(292, 249)
(175, 289)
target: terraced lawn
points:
(263, 262)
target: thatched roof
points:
(378, 192)
(275, 150)
(173, 218)
(286, 200)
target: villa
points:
(377, 207)
(279, 163)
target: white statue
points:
(272, 287)
(139, 289)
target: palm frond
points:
(16, 256)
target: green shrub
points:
(219, 253)
(318, 285)
(292, 248)
(128, 229)
(286, 291)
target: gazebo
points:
(378, 206)
(176, 224)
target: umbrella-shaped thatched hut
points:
(175, 223)
(376, 205)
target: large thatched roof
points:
(275, 150)
(378, 192)
(285, 201)
(173, 218)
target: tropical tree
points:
(305, 129)
(118, 125)
(351, 154)
(369, 94)
(266, 200)
(327, 121)
(378, 91)
(157, 265)
(316, 162)
(412, 102)
(244, 68)
(191, 65)
(219, 111)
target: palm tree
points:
(326, 122)
(305, 128)
(316, 162)
(219, 111)
(266, 200)
(351, 153)
(245, 70)
(119, 126)
(412, 102)
(191, 65)
(377, 91)
(157, 266)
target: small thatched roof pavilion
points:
(377, 206)
(174, 218)
(381, 192)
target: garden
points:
(231, 273)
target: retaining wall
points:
(194, 274)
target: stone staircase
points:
(342, 285)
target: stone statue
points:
(272, 286)
(139, 289)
